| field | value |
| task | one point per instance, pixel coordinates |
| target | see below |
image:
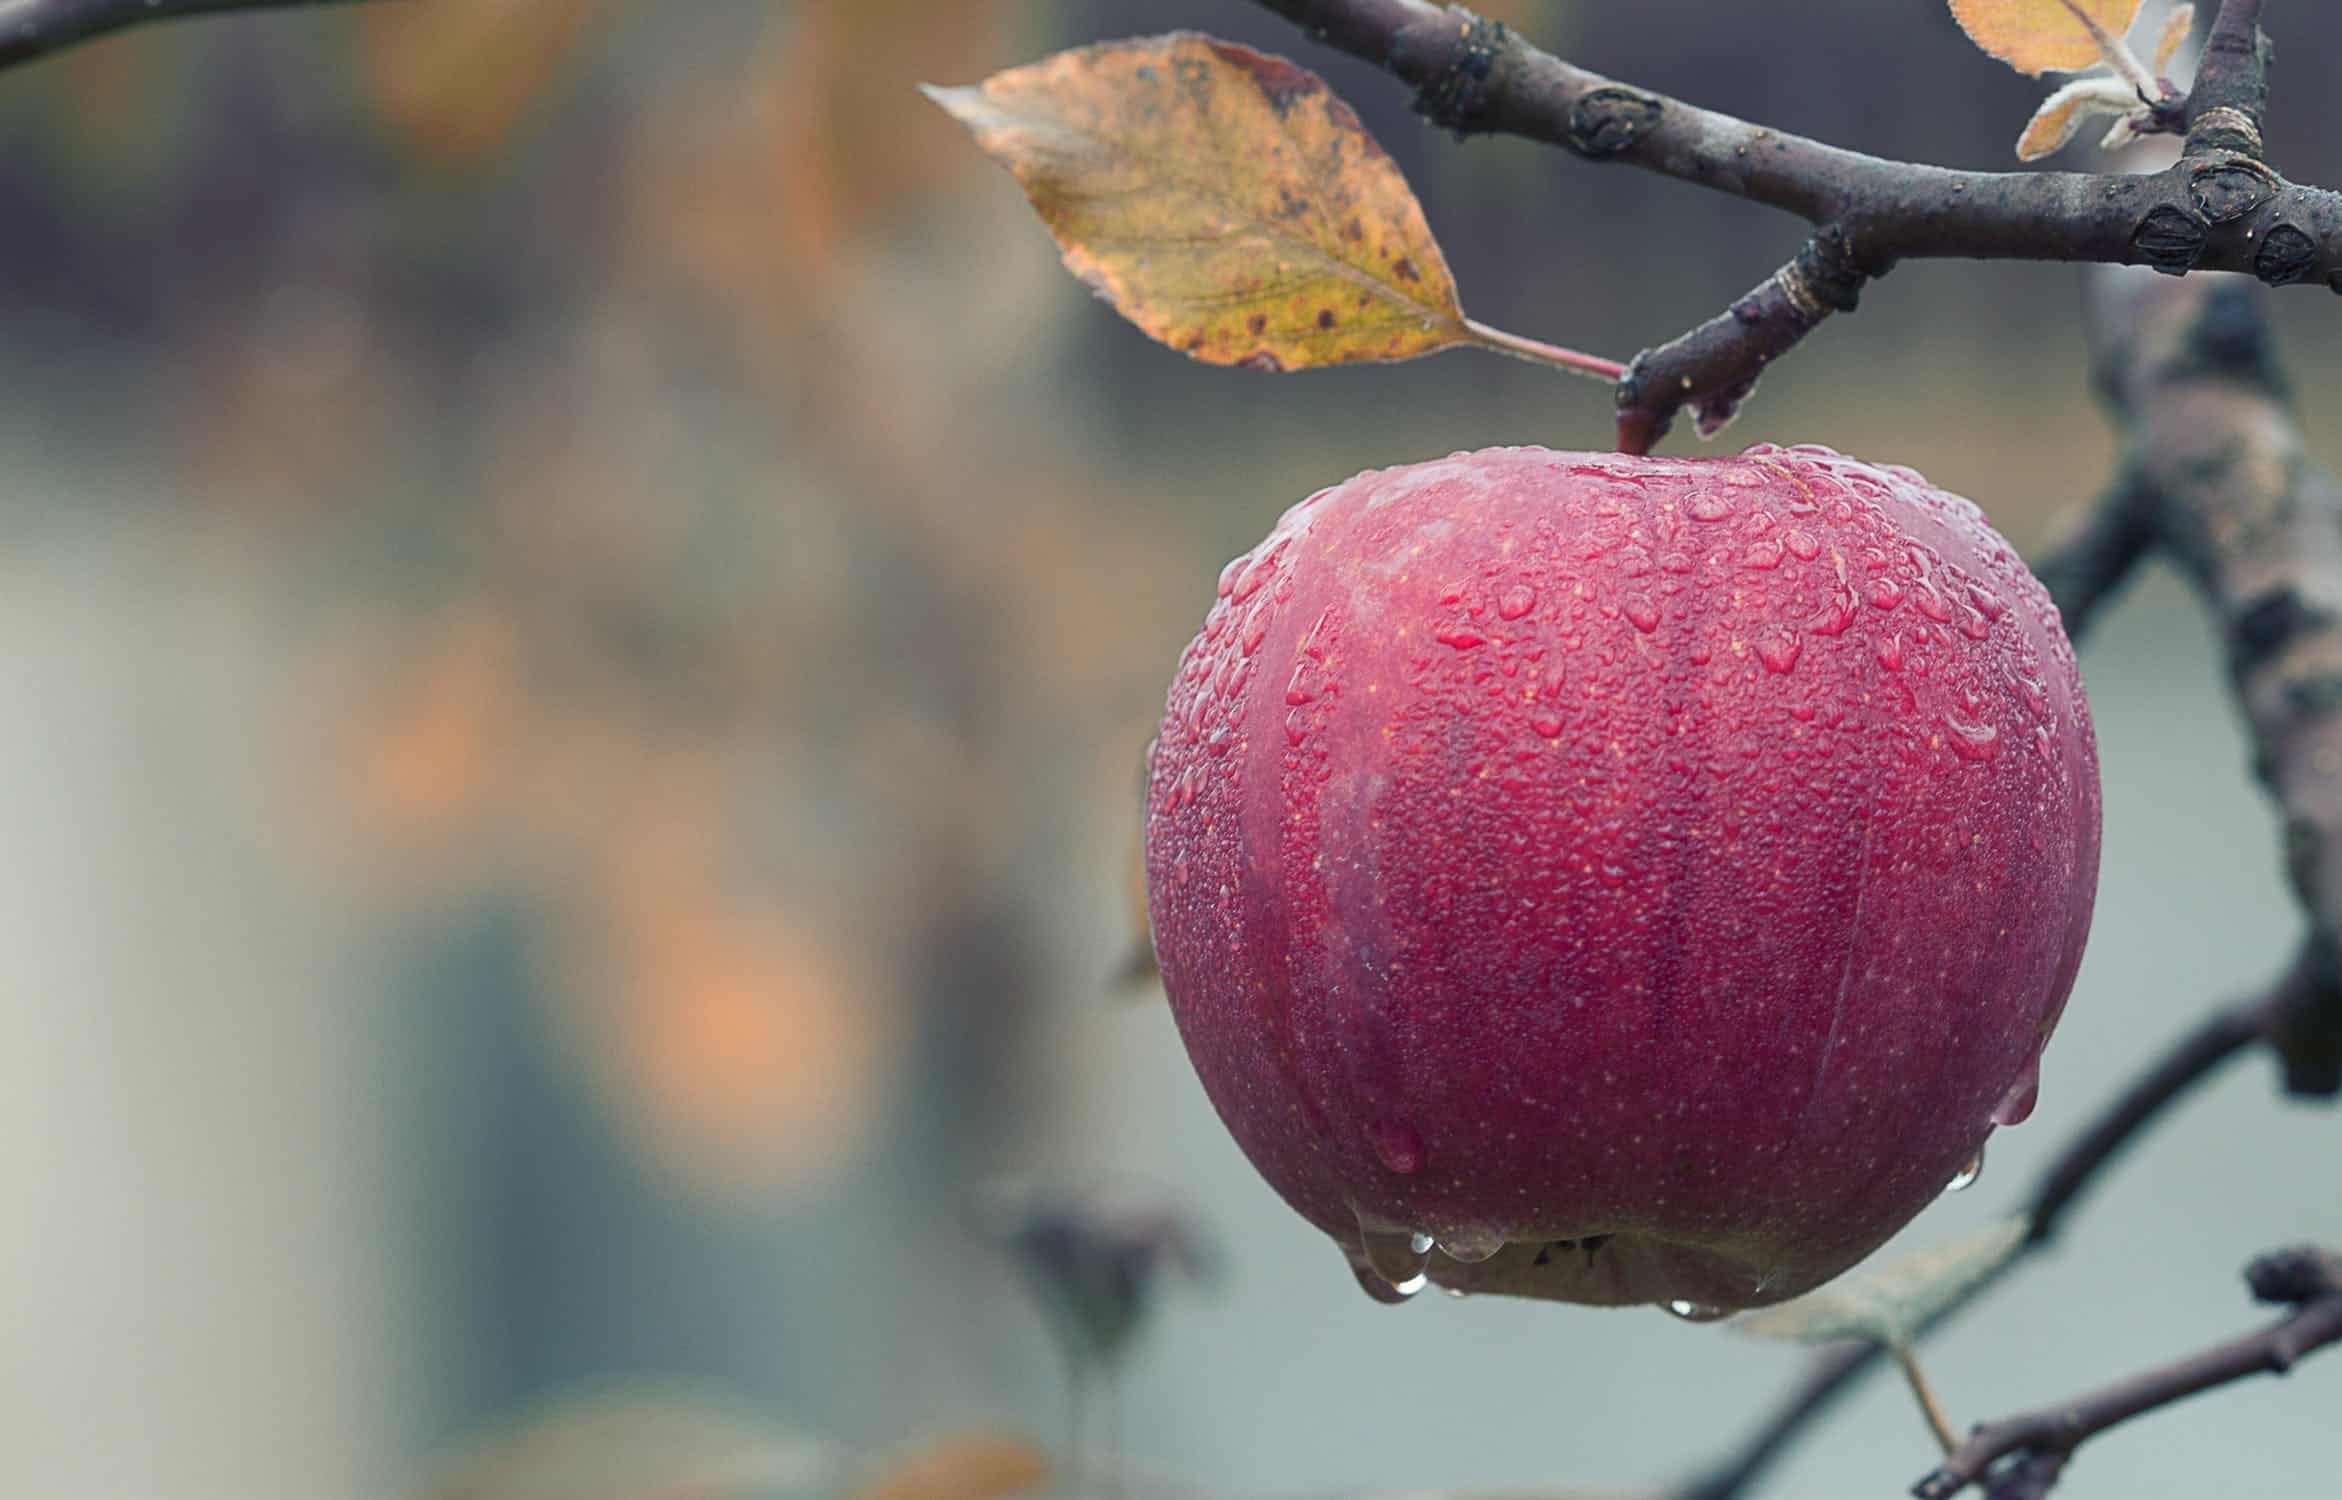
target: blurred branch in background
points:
(36, 28)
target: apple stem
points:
(1592, 366)
(1907, 1356)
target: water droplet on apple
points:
(1697, 1312)
(1709, 506)
(1397, 1145)
(2016, 1106)
(1461, 639)
(1801, 545)
(1398, 1256)
(1248, 582)
(1471, 1246)
(1644, 615)
(1890, 652)
(1884, 593)
(1370, 1282)
(1969, 741)
(1966, 1177)
(1516, 602)
(1778, 653)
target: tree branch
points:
(2231, 92)
(32, 29)
(2309, 1280)
(2214, 473)
(2218, 208)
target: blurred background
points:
(580, 604)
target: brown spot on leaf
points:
(1353, 231)
(1325, 317)
(1257, 324)
(1404, 269)
(1261, 359)
(1280, 82)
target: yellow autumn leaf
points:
(1223, 200)
(2063, 114)
(2045, 36)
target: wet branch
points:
(2217, 208)
(32, 29)
(2020, 1457)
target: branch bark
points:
(2219, 208)
(2019, 1457)
(31, 29)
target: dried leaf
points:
(640, 1438)
(1223, 200)
(2063, 114)
(1890, 1304)
(2177, 28)
(977, 1466)
(2044, 36)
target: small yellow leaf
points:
(2062, 115)
(2177, 28)
(1223, 200)
(2044, 36)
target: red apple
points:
(1646, 880)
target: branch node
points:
(2287, 255)
(1452, 97)
(2169, 239)
(2224, 127)
(2227, 187)
(1607, 120)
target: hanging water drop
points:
(2016, 1106)
(1398, 1256)
(1966, 1177)
(1370, 1282)
(1697, 1312)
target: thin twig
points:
(2308, 1279)
(31, 29)
(1923, 1391)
